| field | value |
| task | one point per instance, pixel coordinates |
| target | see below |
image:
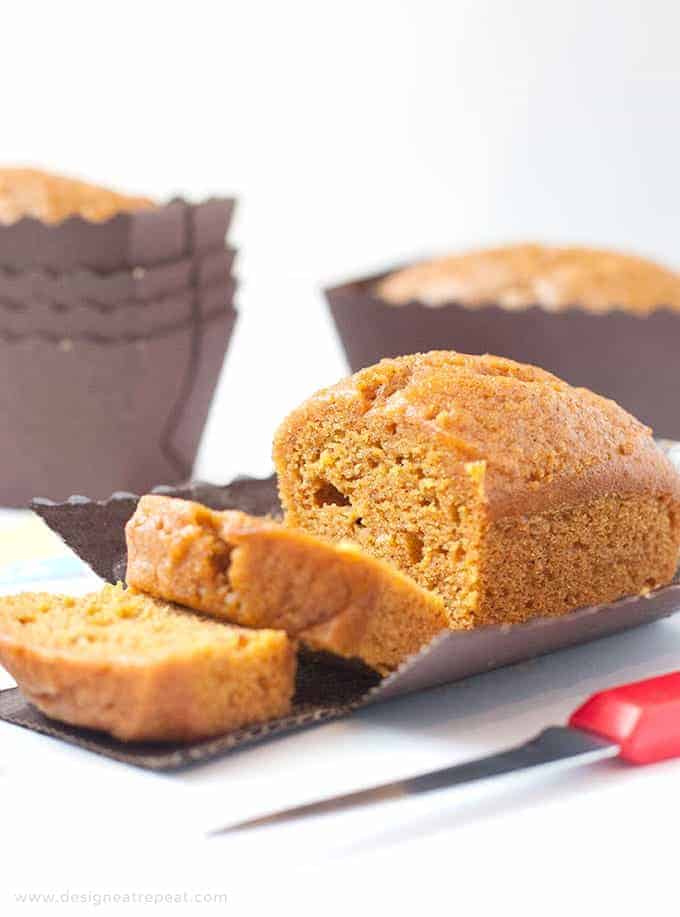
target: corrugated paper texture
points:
(632, 359)
(327, 688)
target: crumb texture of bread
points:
(258, 573)
(494, 484)
(53, 198)
(141, 669)
(520, 276)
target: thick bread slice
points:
(258, 573)
(141, 669)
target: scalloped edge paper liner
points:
(128, 240)
(630, 358)
(105, 292)
(129, 322)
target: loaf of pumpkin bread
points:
(494, 484)
(257, 573)
(141, 669)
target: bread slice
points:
(258, 573)
(141, 669)
(495, 484)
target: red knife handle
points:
(643, 718)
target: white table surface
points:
(604, 833)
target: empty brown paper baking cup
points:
(326, 688)
(106, 291)
(632, 359)
(144, 237)
(131, 319)
(95, 416)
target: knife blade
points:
(639, 723)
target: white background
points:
(354, 134)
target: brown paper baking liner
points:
(96, 416)
(632, 359)
(128, 240)
(107, 291)
(326, 688)
(131, 319)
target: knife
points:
(639, 723)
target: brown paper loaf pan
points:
(326, 688)
(108, 291)
(80, 319)
(140, 238)
(632, 359)
(92, 416)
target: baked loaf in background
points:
(519, 276)
(53, 198)
(501, 488)
(141, 669)
(257, 573)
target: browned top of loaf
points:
(519, 276)
(53, 198)
(538, 442)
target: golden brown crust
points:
(428, 461)
(53, 198)
(541, 443)
(519, 276)
(140, 669)
(258, 573)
